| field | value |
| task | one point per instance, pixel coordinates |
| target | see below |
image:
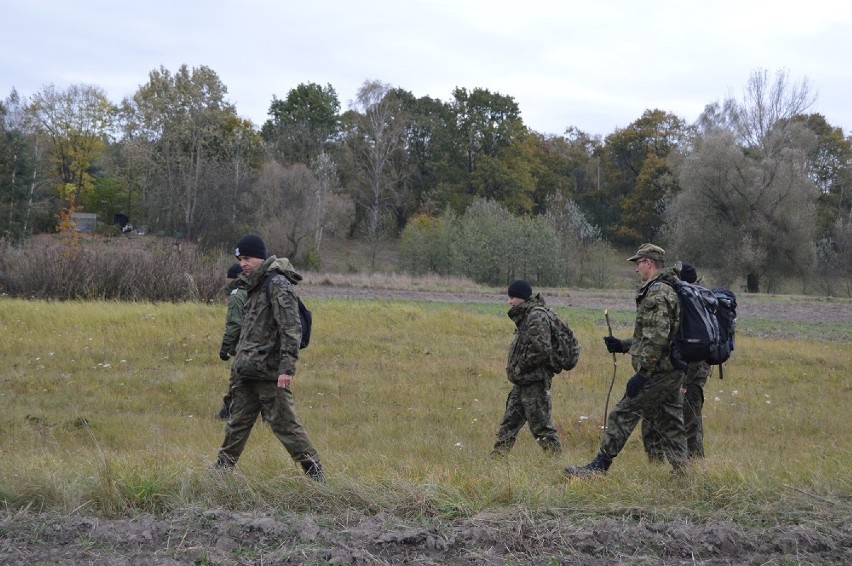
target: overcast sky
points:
(596, 64)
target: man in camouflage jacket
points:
(693, 399)
(265, 362)
(654, 391)
(237, 296)
(529, 371)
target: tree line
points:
(757, 189)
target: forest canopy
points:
(756, 189)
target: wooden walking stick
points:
(614, 369)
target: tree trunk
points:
(753, 283)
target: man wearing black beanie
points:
(251, 246)
(529, 371)
(265, 362)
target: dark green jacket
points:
(237, 297)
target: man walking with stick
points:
(654, 391)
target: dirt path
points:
(514, 537)
(780, 309)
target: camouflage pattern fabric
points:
(529, 353)
(237, 297)
(693, 403)
(268, 347)
(657, 319)
(251, 397)
(527, 368)
(271, 331)
(528, 404)
(693, 406)
(661, 401)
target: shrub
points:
(127, 268)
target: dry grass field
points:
(108, 435)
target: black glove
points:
(223, 355)
(677, 360)
(614, 345)
(635, 385)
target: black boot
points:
(314, 471)
(597, 467)
(223, 464)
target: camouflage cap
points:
(649, 251)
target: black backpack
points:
(305, 316)
(706, 325)
(565, 348)
(726, 316)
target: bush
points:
(127, 268)
(491, 246)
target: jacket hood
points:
(518, 312)
(670, 273)
(283, 266)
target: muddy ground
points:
(205, 536)
(224, 537)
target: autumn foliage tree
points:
(76, 123)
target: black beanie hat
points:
(520, 289)
(687, 273)
(234, 271)
(251, 246)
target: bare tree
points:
(584, 249)
(283, 195)
(326, 188)
(185, 121)
(765, 105)
(376, 136)
(747, 205)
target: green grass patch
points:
(109, 407)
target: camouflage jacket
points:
(657, 320)
(271, 331)
(237, 296)
(529, 353)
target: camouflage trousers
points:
(693, 423)
(660, 402)
(528, 404)
(250, 398)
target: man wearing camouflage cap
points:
(694, 380)
(654, 391)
